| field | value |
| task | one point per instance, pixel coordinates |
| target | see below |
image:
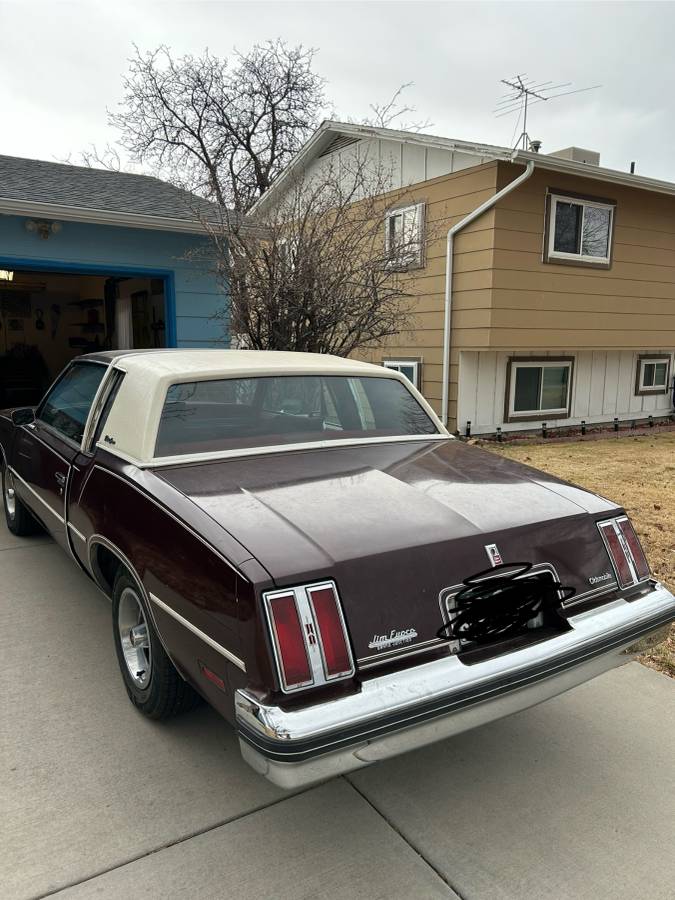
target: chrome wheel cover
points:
(134, 638)
(10, 494)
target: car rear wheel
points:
(19, 521)
(151, 680)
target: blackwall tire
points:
(151, 681)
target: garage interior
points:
(47, 318)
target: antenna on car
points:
(525, 92)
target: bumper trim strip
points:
(289, 750)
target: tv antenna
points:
(525, 92)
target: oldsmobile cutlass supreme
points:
(297, 539)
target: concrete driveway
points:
(572, 799)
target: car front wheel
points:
(152, 683)
(19, 521)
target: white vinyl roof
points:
(131, 428)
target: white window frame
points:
(578, 257)
(405, 259)
(414, 364)
(652, 388)
(560, 412)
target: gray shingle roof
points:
(97, 189)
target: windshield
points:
(234, 413)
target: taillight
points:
(625, 551)
(328, 616)
(309, 635)
(616, 552)
(289, 640)
(639, 558)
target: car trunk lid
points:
(396, 525)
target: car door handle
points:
(60, 479)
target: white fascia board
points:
(423, 140)
(595, 173)
(488, 152)
(64, 213)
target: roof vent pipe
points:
(449, 255)
(535, 146)
(632, 168)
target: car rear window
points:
(235, 413)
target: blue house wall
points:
(192, 294)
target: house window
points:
(579, 230)
(653, 375)
(539, 388)
(404, 235)
(408, 367)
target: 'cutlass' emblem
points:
(494, 555)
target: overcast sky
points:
(61, 65)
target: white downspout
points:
(449, 256)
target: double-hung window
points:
(404, 235)
(539, 388)
(579, 230)
(653, 375)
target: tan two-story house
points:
(543, 284)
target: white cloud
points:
(61, 65)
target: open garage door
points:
(47, 318)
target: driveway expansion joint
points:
(455, 893)
(181, 840)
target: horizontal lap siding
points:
(537, 306)
(197, 292)
(448, 199)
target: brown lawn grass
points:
(637, 473)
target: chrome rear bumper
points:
(404, 710)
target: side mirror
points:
(23, 416)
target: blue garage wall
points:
(192, 292)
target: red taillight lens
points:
(639, 558)
(336, 656)
(618, 556)
(290, 641)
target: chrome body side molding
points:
(231, 657)
(35, 494)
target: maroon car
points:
(297, 539)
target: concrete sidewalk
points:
(572, 799)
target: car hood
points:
(395, 520)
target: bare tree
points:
(391, 114)
(221, 127)
(315, 271)
(312, 271)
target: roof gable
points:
(332, 135)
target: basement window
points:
(653, 375)
(404, 236)
(408, 367)
(538, 388)
(579, 230)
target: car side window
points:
(67, 405)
